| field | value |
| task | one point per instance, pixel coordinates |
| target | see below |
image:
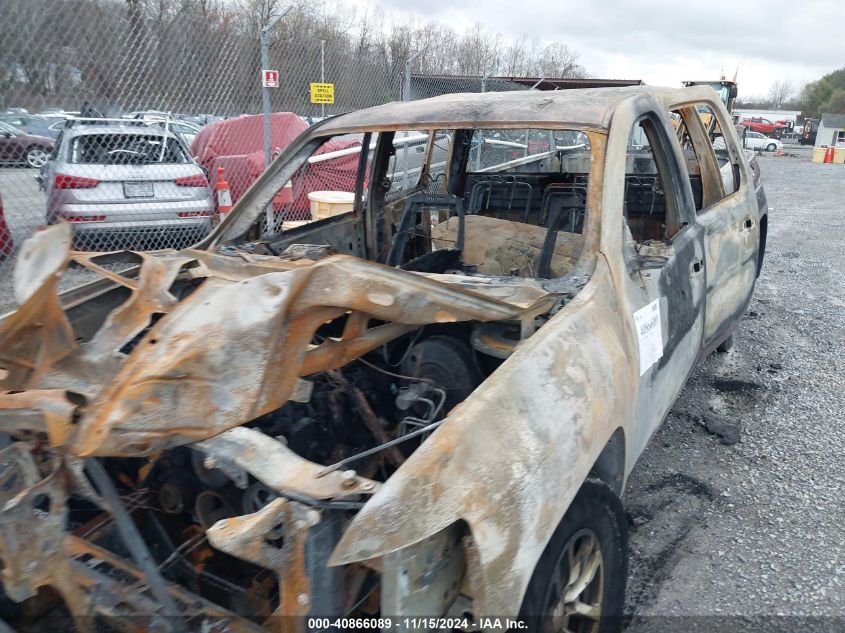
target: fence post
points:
(265, 92)
(409, 64)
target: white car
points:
(126, 185)
(187, 130)
(756, 140)
(753, 140)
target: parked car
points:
(149, 114)
(126, 184)
(427, 402)
(180, 123)
(204, 119)
(188, 131)
(56, 127)
(32, 124)
(19, 147)
(773, 129)
(754, 141)
(6, 243)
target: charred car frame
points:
(427, 406)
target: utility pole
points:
(265, 64)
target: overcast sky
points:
(665, 42)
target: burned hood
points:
(162, 371)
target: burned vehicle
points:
(426, 406)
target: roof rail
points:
(85, 119)
(70, 121)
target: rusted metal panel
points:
(274, 464)
(246, 537)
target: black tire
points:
(596, 513)
(726, 345)
(771, 147)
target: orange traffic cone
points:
(224, 194)
(828, 154)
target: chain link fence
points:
(120, 116)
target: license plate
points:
(138, 189)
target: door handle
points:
(697, 266)
(748, 223)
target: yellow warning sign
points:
(322, 93)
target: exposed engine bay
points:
(161, 404)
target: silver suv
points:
(126, 185)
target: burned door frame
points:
(731, 236)
(661, 276)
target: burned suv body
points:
(426, 406)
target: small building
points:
(831, 130)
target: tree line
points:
(826, 94)
(202, 56)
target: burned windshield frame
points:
(374, 215)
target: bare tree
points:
(559, 61)
(201, 56)
(780, 92)
(513, 59)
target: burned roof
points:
(590, 108)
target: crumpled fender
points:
(510, 459)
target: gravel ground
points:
(732, 535)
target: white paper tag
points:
(224, 198)
(649, 334)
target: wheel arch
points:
(609, 466)
(593, 491)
